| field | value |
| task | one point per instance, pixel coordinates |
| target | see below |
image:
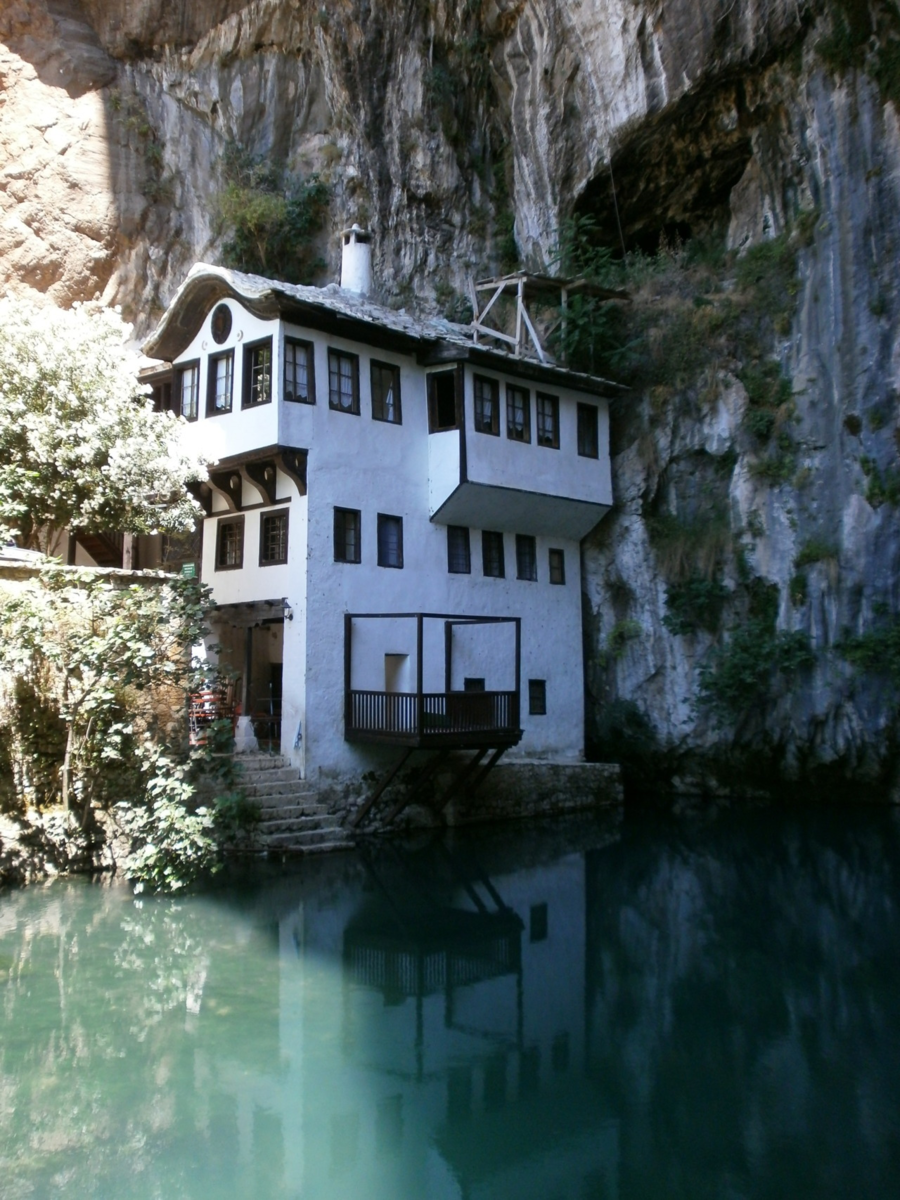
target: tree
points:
(80, 445)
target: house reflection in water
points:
(432, 1032)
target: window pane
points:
(492, 554)
(230, 549)
(273, 538)
(557, 566)
(518, 414)
(298, 372)
(459, 561)
(259, 375)
(385, 393)
(190, 387)
(526, 557)
(442, 401)
(588, 440)
(346, 535)
(342, 381)
(486, 405)
(390, 541)
(547, 420)
(537, 697)
(221, 380)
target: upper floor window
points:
(257, 373)
(588, 431)
(390, 541)
(442, 412)
(537, 697)
(273, 538)
(518, 414)
(385, 392)
(487, 406)
(162, 395)
(459, 560)
(548, 420)
(343, 381)
(220, 384)
(230, 544)
(299, 377)
(557, 566)
(188, 385)
(526, 556)
(492, 554)
(346, 535)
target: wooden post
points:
(348, 636)
(520, 308)
(420, 698)
(127, 551)
(515, 715)
(248, 667)
(448, 652)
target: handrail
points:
(441, 712)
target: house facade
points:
(392, 520)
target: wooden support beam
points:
(360, 815)
(487, 768)
(262, 476)
(230, 485)
(417, 786)
(459, 782)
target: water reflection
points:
(684, 1006)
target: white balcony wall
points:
(443, 468)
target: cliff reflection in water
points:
(683, 1006)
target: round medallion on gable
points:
(221, 323)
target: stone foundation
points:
(514, 790)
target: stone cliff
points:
(464, 133)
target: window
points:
(299, 377)
(588, 438)
(459, 561)
(162, 395)
(220, 383)
(547, 420)
(526, 556)
(442, 401)
(492, 554)
(518, 414)
(537, 697)
(473, 683)
(257, 373)
(343, 381)
(273, 538)
(487, 406)
(557, 566)
(385, 393)
(346, 535)
(390, 541)
(189, 391)
(230, 544)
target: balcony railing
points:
(432, 716)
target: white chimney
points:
(356, 260)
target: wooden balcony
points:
(434, 718)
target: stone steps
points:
(292, 819)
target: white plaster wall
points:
(443, 467)
(484, 651)
(251, 582)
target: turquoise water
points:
(704, 1004)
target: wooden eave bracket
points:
(230, 485)
(202, 493)
(293, 463)
(261, 475)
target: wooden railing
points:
(410, 715)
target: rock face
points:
(444, 126)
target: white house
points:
(393, 519)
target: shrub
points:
(741, 673)
(694, 603)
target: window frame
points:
(237, 520)
(267, 516)
(588, 436)
(434, 425)
(381, 523)
(211, 373)
(528, 540)
(377, 365)
(353, 360)
(478, 405)
(309, 347)
(537, 697)
(525, 436)
(555, 555)
(487, 538)
(545, 397)
(342, 514)
(456, 570)
(182, 370)
(250, 349)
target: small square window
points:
(343, 381)
(526, 556)
(257, 373)
(518, 414)
(442, 401)
(537, 931)
(487, 406)
(299, 375)
(459, 559)
(385, 393)
(390, 541)
(189, 391)
(537, 697)
(473, 684)
(220, 384)
(588, 431)
(557, 566)
(492, 554)
(548, 421)
(273, 538)
(230, 544)
(346, 535)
